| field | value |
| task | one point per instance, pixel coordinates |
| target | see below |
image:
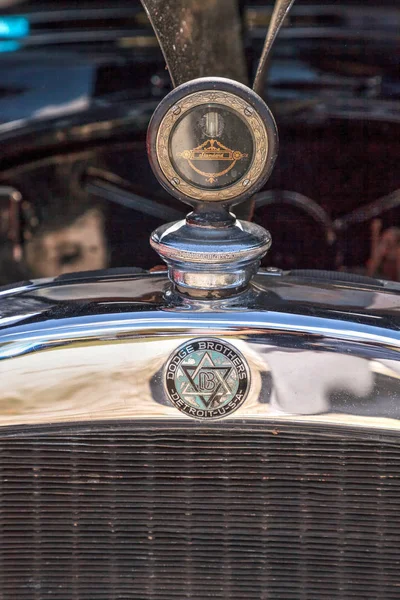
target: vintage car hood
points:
(321, 347)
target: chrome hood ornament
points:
(212, 143)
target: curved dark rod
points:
(300, 201)
(365, 213)
(279, 14)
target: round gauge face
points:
(212, 140)
(211, 146)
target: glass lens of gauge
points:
(211, 147)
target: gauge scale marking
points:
(214, 151)
(207, 379)
(211, 146)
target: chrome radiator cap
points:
(207, 262)
(212, 143)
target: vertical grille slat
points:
(175, 511)
(75, 517)
(37, 524)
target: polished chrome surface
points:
(95, 348)
(279, 15)
(211, 260)
(198, 38)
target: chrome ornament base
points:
(210, 262)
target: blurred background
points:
(80, 79)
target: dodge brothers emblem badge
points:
(207, 379)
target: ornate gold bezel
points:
(255, 123)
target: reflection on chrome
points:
(315, 354)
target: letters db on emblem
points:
(207, 379)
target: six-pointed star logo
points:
(206, 381)
(207, 378)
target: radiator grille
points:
(128, 511)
